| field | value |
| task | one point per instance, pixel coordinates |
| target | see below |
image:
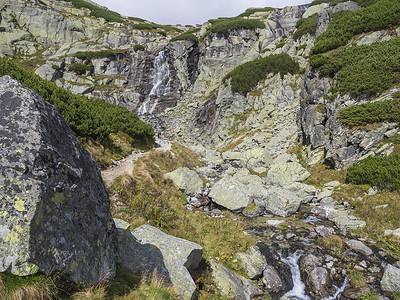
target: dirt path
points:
(126, 165)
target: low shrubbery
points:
(98, 12)
(96, 54)
(88, 118)
(223, 25)
(346, 24)
(138, 47)
(153, 26)
(363, 3)
(80, 69)
(251, 11)
(366, 69)
(380, 171)
(186, 36)
(368, 113)
(306, 25)
(245, 78)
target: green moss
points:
(245, 78)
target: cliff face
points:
(195, 106)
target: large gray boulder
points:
(179, 256)
(187, 180)
(54, 208)
(281, 202)
(391, 279)
(233, 285)
(287, 173)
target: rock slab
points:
(55, 211)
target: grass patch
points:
(362, 70)
(245, 77)
(149, 198)
(357, 279)
(29, 287)
(380, 171)
(333, 244)
(305, 25)
(382, 15)
(88, 118)
(80, 68)
(321, 174)
(98, 12)
(248, 12)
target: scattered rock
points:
(359, 247)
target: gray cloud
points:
(188, 11)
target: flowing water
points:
(161, 84)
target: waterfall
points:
(161, 84)
(298, 290)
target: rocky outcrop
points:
(55, 213)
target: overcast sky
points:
(187, 12)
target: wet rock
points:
(287, 173)
(272, 280)
(318, 281)
(324, 231)
(179, 256)
(253, 262)
(187, 180)
(391, 279)
(54, 212)
(359, 247)
(232, 284)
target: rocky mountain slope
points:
(256, 139)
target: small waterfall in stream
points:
(161, 84)
(298, 290)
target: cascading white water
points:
(161, 84)
(298, 290)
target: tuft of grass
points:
(333, 244)
(357, 279)
(35, 287)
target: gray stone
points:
(287, 173)
(253, 262)
(54, 213)
(179, 256)
(332, 184)
(230, 193)
(319, 283)
(324, 231)
(232, 284)
(272, 280)
(281, 202)
(391, 279)
(257, 159)
(359, 247)
(187, 180)
(48, 72)
(356, 293)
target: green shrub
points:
(80, 68)
(94, 118)
(138, 47)
(360, 70)
(98, 12)
(144, 26)
(223, 25)
(346, 24)
(245, 78)
(251, 11)
(363, 3)
(136, 19)
(281, 44)
(368, 113)
(306, 25)
(95, 54)
(186, 36)
(380, 171)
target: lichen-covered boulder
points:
(253, 262)
(233, 285)
(187, 180)
(179, 256)
(54, 208)
(391, 279)
(281, 202)
(287, 173)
